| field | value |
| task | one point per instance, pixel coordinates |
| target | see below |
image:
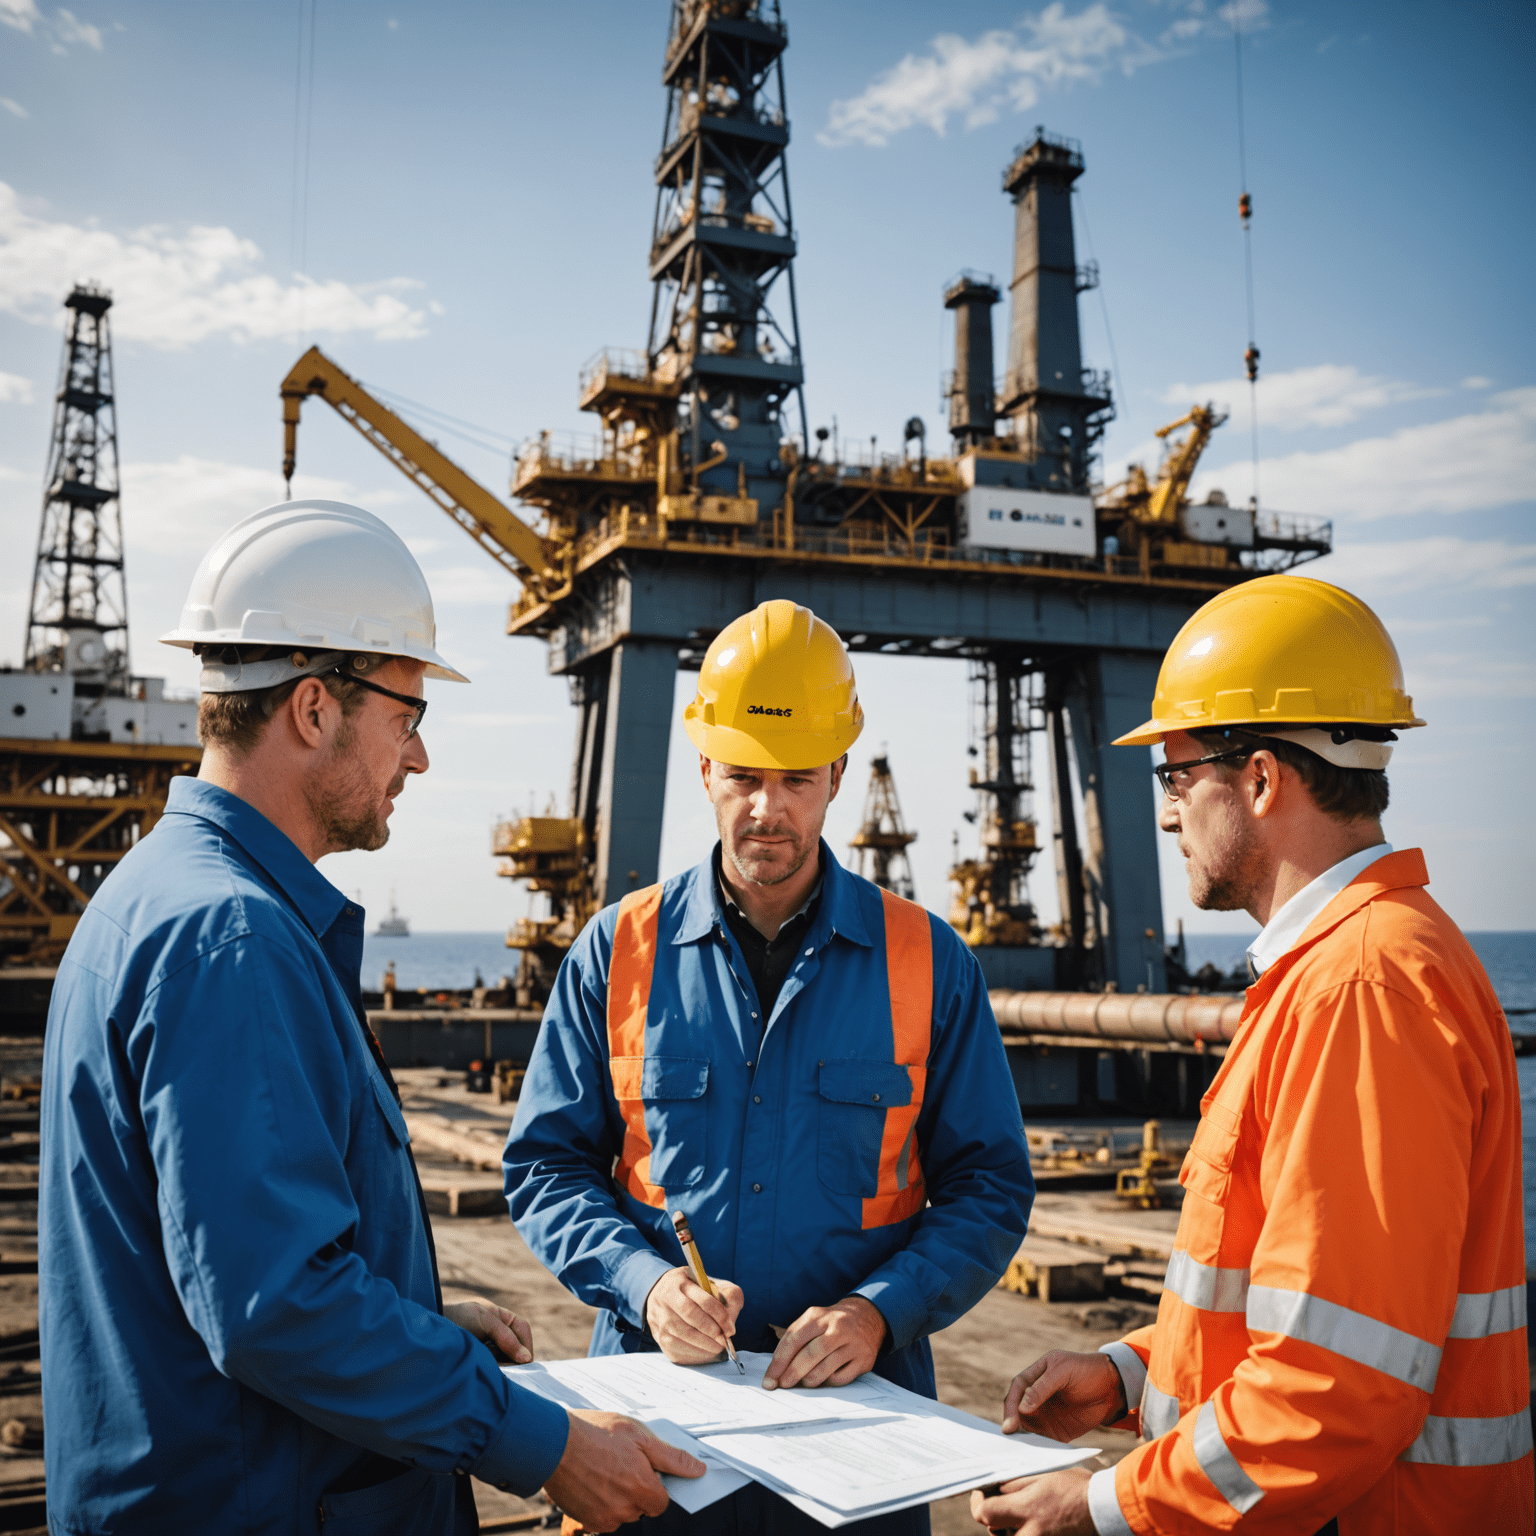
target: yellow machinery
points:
(549, 852)
(1154, 523)
(504, 536)
(1138, 1185)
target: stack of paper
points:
(838, 1453)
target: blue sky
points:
(478, 211)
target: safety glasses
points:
(1166, 771)
(419, 705)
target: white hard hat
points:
(321, 579)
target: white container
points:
(1042, 522)
(36, 705)
(1211, 523)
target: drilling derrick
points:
(992, 905)
(79, 616)
(722, 243)
(87, 751)
(882, 840)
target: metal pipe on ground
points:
(1120, 1016)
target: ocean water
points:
(454, 959)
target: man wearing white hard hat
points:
(242, 1325)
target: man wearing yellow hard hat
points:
(1340, 1344)
(804, 1066)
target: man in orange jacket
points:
(1340, 1344)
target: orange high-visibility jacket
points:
(1342, 1331)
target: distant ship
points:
(393, 926)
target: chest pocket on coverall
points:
(855, 1096)
(674, 1108)
(383, 1176)
(1207, 1170)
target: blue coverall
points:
(767, 1135)
(238, 1293)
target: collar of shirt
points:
(315, 899)
(731, 905)
(1295, 917)
(838, 911)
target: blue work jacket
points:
(766, 1134)
(238, 1293)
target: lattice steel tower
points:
(722, 246)
(79, 616)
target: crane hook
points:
(1251, 357)
(1245, 209)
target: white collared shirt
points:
(1295, 917)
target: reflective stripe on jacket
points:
(866, 1139)
(1342, 1330)
(909, 985)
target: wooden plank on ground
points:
(1055, 1271)
(436, 1132)
(1125, 1238)
(450, 1194)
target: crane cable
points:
(1245, 213)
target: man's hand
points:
(495, 1325)
(1053, 1505)
(691, 1325)
(1064, 1395)
(828, 1346)
(607, 1476)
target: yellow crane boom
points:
(1173, 483)
(504, 536)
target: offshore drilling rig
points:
(87, 751)
(703, 494)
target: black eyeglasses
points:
(419, 705)
(1166, 771)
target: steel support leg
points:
(1111, 694)
(636, 728)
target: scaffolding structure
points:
(880, 845)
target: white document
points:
(837, 1453)
(699, 1398)
(854, 1465)
(696, 1493)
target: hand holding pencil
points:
(692, 1322)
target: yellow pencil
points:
(696, 1264)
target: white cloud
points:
(21, 14)
(176, 287)
(1439, 564)
(1470, 675)
(64, 29)
(1325, 395)
(1199, 19)
(68, 28)
(177, 509)
(458, 584)
(1477, 381)
(14, 390)
(1464, 464)
(978, 79)
(15, 108)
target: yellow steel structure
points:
(69, 810)
(549, 852)
(504, 536)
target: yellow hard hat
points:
(1278, 651)
(776, 691)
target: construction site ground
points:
(480, 1254)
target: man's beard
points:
(768, 871)
(1225, 883)
(345, 807)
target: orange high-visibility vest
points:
(901, 1191)
(1342, 1329)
